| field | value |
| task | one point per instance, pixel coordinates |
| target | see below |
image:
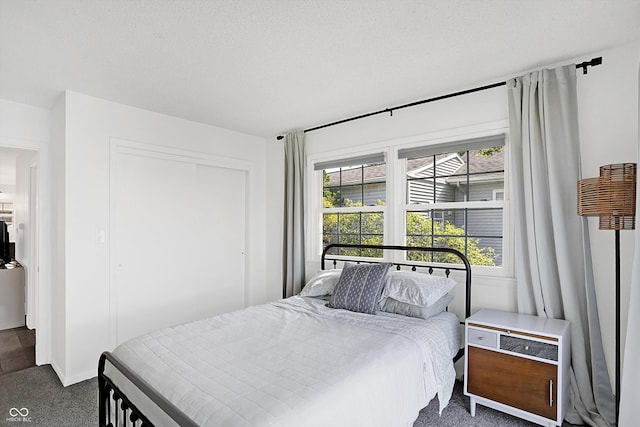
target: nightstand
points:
(518, 364)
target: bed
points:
(300, 361)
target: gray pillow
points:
(392, 306)
(359, 287)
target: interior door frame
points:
(123, 146)
(33, 276)
(37, 294)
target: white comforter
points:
(296, 363)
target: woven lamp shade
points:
(611, 196)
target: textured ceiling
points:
(263, 67)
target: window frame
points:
(315, 201)
(396, 204)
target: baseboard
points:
(68, 380)
(58, 371)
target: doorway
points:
(19, 274)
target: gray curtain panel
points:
(553, 261)
(294, 247)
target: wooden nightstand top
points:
(520, 322)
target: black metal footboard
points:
(115, 409)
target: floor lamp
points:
(612, 197)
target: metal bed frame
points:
(126, 413)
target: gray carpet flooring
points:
(39, 390)
(49, 404)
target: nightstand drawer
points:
(482, 337)
(529, 347)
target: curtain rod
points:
(390, 110)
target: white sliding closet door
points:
(178, 235)
(220, 218)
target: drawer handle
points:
(480, 338)
(550, 392)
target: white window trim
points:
(356, 209)
(477, 204)
(394, 230)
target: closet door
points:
(178, 234)
(220, 223)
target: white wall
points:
(25, 126)
(608, 114)
(90, 123)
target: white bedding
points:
(296, 363)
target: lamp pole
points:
(617, 324)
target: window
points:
(434, 195)
(353, 202)
(451, 199)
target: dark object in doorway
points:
(4, 244)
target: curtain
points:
(629, 395)
(293, 268)
(553, 261)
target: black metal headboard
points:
(465, 266)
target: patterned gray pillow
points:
(359, 287)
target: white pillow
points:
(392, 306)
(416, 288)
(321, 284)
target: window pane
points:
(456, 177)
(354, 228)
(477, 233)
(349, 224)
(486, 173)
(363, 185)
(484, 222)
(372, 223)
(329, 224)
(493, 246)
